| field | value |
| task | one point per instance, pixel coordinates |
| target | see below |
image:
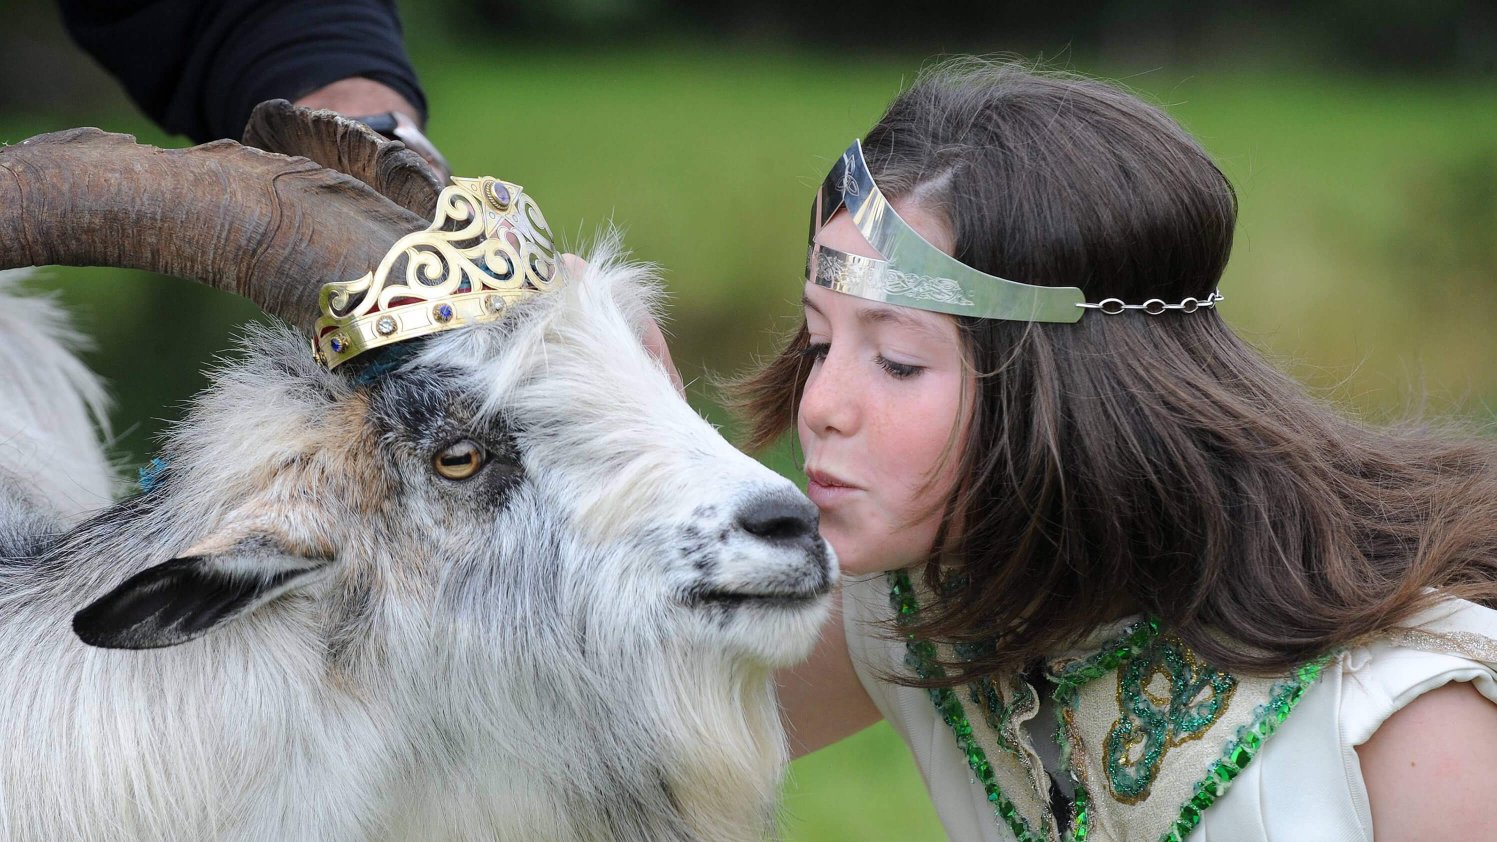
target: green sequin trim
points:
(1082, 816)
(1197, 697)
(1068, 679)
(1068, 682)
(1241, 750)
(920, 655)
(1001, 716)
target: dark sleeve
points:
(197, 67)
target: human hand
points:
(653, 338)
(380, 108)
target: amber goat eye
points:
(460, 460)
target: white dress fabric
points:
(1303, 783)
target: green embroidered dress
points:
(1150, 742)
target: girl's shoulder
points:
(1428, 770)
(1455, 640)
(1309, 778)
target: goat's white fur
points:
(531, 673)
(50, 406)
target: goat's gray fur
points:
(572, 645)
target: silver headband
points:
(912, 272)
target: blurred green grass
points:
(1366, 254)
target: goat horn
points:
(348, 146)
(270, 228)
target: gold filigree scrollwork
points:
(488, 246)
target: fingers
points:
(408, 133)
(357, 96)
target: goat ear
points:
(185, 598)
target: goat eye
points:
(460, 460)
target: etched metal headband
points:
(488, 247)
(913, 273)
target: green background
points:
(1365, 261)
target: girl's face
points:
(882, 406)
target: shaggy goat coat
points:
(573, 644)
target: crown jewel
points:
(488, 247)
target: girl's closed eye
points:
(816, 351)
(898, 370)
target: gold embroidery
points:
(1477, 647)
(1166, 698)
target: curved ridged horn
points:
(270, 228)
(348, 146)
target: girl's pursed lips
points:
(828, 490)
(826, 479)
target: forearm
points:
(199, 67)
(357, 97)
(821, 700)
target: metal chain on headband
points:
(910, 272)
(1154, 306)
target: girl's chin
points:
(857, 558)
(872, 567)
(864, 549)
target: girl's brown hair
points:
(1138, 462)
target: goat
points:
(338, 641)
(50, 406)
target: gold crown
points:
(488, 247)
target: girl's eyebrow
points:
(892, 315)
(879, 315)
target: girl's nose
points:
(829, 402)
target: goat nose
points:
(780, 517)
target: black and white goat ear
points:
(187, 597)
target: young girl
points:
(1109, 574)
